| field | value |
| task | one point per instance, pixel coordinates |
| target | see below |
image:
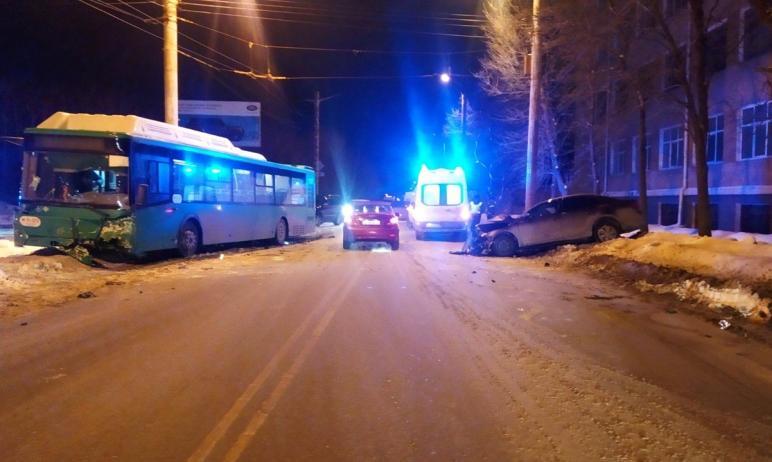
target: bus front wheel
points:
(189, 240)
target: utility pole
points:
(170, 62)
(533, 113)
(317, 136)
(318, 100)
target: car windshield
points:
(76, 178)
(372, 208)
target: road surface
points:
(312, 353)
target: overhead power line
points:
(326, 49)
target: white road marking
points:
(211, 440)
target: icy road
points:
(312, 353)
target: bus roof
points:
(148, 129)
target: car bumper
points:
(373, 233)
(441, 226)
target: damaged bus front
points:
(75, 193)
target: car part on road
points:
(189, 239)
(395, 245)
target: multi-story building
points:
(739, 141)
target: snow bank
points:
(739, 298)
(738, 272)
(7, 249)
(718, 258)
(731, 235)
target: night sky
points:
(64, 55)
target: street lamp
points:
(445, 78)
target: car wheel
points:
(346, 241)
(188, 240)
(504, 245)
(395, 245)
(338, 220)
(319, 220)
(280, 237)
(606, 231)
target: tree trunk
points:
(643, 162)
(698, 114)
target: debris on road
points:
(724, 324)
(86, 294)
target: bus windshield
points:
(76, 178)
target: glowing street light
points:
(445, 78)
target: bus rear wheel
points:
(189, 240)
(281, 232)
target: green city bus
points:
(134, 185)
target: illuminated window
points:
(282, 186)
(430, 195)
(716, 138)
(217, 184)
(454, 194)
(243, 186)
(264, 188)
(755, 128)
(672, 152)
(297, 191)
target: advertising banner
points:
(239, 121)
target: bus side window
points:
(264, 188)
(189, 182)
(282, 189)
(298, 191)
(157, 179)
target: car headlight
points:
(465, 214)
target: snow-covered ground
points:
(732, 235)
(7, 248)
(717, 272)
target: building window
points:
(756, 219)
(674, 6)
(715, 49)
(755, 123)
(672, 152)
(634, 156)
(618, 159)
(756, 36)
(674, 68)
(668, 214)
(715, 148)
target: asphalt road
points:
(309, 352)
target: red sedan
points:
(370, 221)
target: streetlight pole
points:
(533, 113)
(171, 96)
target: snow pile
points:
(722, 259)
(711, 271)
(739, 298)
(731, 235)
(7, 249)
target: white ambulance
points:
(441, 203)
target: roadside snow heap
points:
(716, 272)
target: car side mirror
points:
(140, 198)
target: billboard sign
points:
(239, 121)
